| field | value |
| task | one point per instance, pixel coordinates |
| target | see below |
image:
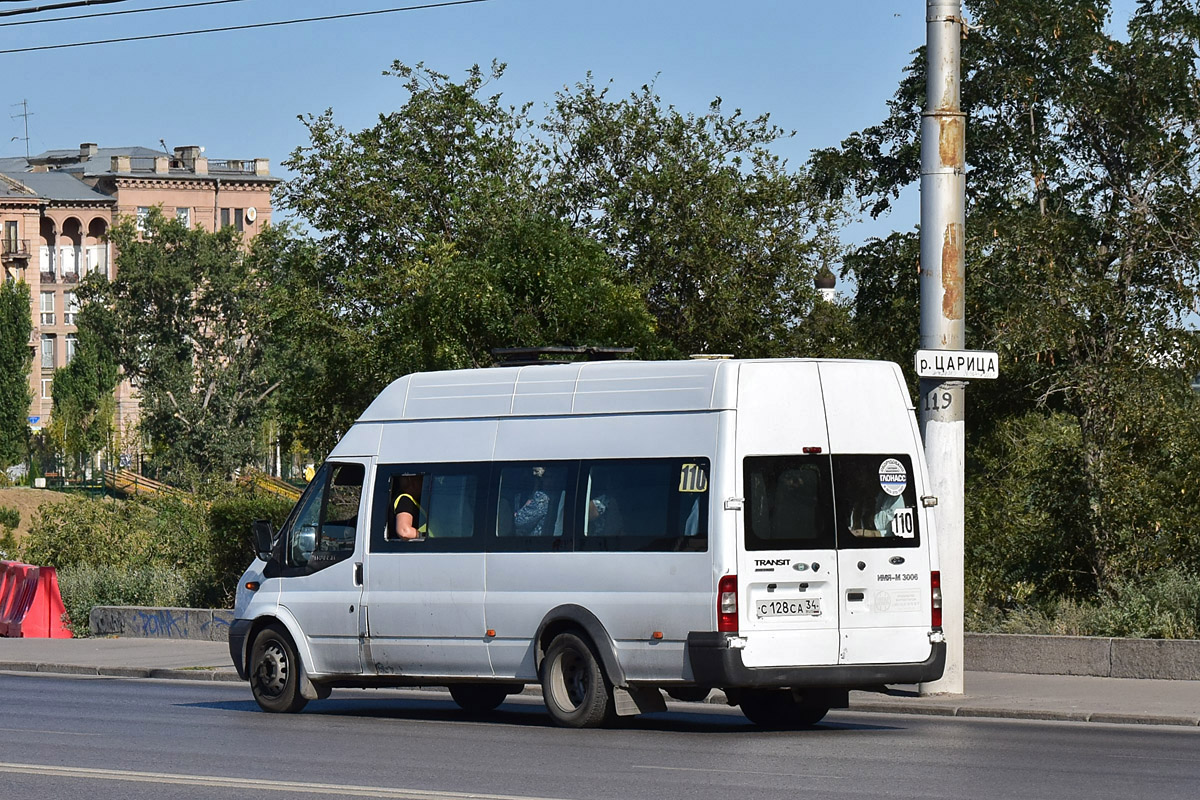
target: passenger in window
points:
(532, 507)
(407, 508)
(604, 516)
(872, 516)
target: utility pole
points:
(943, 217)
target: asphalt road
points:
(101, 738)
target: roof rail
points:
(527, 356)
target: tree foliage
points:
(15, 360)
(183, 321)
(1083, 267)
(84, 404)
(720, 235)
(458, 224)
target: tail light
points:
(935, 581)
(727, 605)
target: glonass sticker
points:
(893, 477)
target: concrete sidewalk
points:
(988, 694)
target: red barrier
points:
(30, 602)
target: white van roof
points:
(601, 387)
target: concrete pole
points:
(943, 215)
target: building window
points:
(71, 345)
(235, 217)
(10, 233)
(47, 388)
(143, 213)
(48, 350)
(47, 308)
(184, 215)
(70, 307)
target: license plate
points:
(796, 607)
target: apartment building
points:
(56, 209)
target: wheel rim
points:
(272, 670)
(571, 681)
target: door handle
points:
(358, 573)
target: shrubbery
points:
(1163, 605)
(10, 518)
(165, 550)
(86, 585)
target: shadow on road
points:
(529, 713)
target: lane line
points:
(740, 772)
(333, 789)
(55, 733)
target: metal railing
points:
(15, 248)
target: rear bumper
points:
(239, 629)
(715, 663)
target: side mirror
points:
(260, 530)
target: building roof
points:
(57, 186)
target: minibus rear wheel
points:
(778, 709)
(574, 688)
(479, 698)
(275, 671)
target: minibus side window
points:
(430, 508)
(531, 500)
(789, 503)
(876, 501)
(322, 532)
(645, 505)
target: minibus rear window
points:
(876, 501)
(789, 503)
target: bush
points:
(9, 517)
(81, 530)
(230, 544)
(84, 586)
(1162, 605)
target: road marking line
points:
(726, 772)
(252, 783)
(55, 733)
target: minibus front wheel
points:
(275, 671)
(574, 687)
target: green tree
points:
(16, 358)
(1083, 266)
(185, 327)
(720, 234)
(434, 247)
(84, 403)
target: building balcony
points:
(48, 277)
(15, 249)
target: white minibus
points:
(611, 531)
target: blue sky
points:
(822, 69)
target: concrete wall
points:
(211, 625)
(1164, 659)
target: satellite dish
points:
(251, 214)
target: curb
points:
(208, 674)
(985, 712)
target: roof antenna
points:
(24, 104)
(163, 142)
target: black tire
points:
(777, 709)
(479, 698)
(576, 692)
(275, 671)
